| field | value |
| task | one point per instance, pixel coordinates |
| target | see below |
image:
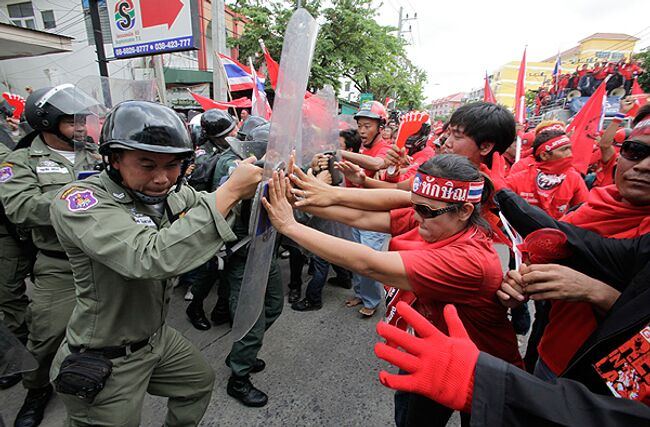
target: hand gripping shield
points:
(285, 135)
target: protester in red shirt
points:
(582, 71)
(441, 251)
(553, 184)
(609, 146)
(600, 72)
(371, 119)
(527, 160)
(620, 211)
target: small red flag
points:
(640, 100)
(585, 126)
(272, 67)
(208, 104)
(488, 95)
(520, 93)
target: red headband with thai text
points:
(552, 144)
(447, 190)
(641, 128)
(554, 126)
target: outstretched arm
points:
(386, 267)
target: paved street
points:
(321, 371)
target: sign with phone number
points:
(159, 46)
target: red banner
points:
(520, 93)
(585, 127)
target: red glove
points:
(441, 367)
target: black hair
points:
(543, 137)
(351, 138)
(459, 168)
(643, 112)
(486, 122)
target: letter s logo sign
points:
(124, 15)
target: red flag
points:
(208, 104)
(272, 67)
(585, 127)
(520, 93)
(640, 100)
(488, 95)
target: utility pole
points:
(219, 84)
(401, 21)
(99, 47)
(159, 75)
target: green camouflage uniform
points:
(124, 255)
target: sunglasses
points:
(426, 212)
(634, 150)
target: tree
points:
(350, 44)
(644, 62)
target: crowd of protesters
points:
(584, 81)
(418, 229)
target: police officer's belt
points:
(112, 352)
(54, 254)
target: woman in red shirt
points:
(441, 251)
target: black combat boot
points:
(243, 390)
(10, 380)
(221, 312)
(31, 413)
(197, 316)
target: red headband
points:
(447, 190)
(552, 144)
(641, 128)
(554, 126)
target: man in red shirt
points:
(619, 211)
(553, 184)
(371, 119)
(527, 159)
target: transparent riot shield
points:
(95, 97)
(14, 357)
(295, 65)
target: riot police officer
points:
(128, 231)
(216, 126)
(243, 359)
(15, 265)
(31, 178)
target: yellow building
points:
(504, 80)
(595, 48)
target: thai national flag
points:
(259, 105)
(475, 192)
(558, 66)
(239, 75)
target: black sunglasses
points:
(426, 212)
(634, 150)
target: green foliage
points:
(530, 98)
(350, 44)
(644, 61)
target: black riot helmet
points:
(254, 145)
(251, 123)
(216, 123)
(146, 126)
(45, 107)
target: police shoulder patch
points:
(6, 172)
(79, 199)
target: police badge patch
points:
(6, 173)
(81, 200)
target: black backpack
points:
(203, 175)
